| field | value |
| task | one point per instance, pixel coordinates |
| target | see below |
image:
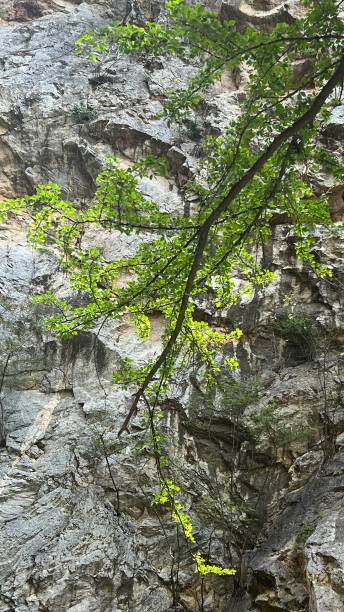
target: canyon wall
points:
(78, 532)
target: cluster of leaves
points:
(157, 271)
(274, 100)
(166, 497)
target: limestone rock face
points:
(78, 532)
(264, 14)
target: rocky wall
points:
(78, 532)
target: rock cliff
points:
(78, 532)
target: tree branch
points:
(306, 119)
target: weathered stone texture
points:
(69, 542)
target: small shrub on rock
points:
(301, 333)
(83, 113)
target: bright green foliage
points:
(274, 99)
(167, 497)
(156, 273)
(203, 568)
(178, 260)
(128, 373)
(142, 325)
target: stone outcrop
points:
(78, 532)
(264, 14)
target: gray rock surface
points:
(78, 532)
